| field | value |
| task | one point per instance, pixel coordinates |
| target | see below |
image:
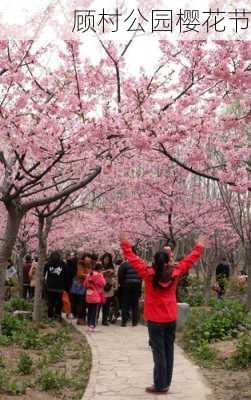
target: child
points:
(94, 285)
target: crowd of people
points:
(87, 287)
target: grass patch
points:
(40, 356)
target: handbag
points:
(77, 288)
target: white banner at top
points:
(119, 20)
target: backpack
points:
(77, 288)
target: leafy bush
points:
(242, 355)
(11, 325)
(193, 293)
(204, 353)
(18, 303)
(4, 340)
(30, 339)
(24, 365)
(50, 380)
(56, 353)
(225, 319)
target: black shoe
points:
(135, 324)
(123, 324)
(105, 323)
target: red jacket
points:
(94, 284)
(160, 305)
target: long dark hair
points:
(55, 258)
(163, 272)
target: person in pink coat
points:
(94, 284)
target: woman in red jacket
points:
(160, 306)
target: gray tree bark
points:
(13, 223)
(43, 231)
(248, 270)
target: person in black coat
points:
(71, 269)
(222, 274)
(130, 284)
(55, 281)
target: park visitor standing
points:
(130, 284)
(77, 290)
(94, 285)
(222, 275)
(27, 293)
(55, 281)
(109, 275)
(160, 306)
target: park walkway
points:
(122, 367)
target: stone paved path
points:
(122, 367)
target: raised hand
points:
(203, 240)
(123, 236)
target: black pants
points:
(106, 309)
(27, 291)
(162, 336)
(78, 306)
(92, 314)
(130, 302)
(55, 304)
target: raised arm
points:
(184, 265)
(136, 262)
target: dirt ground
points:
(229, 385)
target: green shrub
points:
(50, 380)
(24, 364)
(193, 293)
(30, 339)
(18, 303)
(4, 340)
(224, 320)
(56, 353)
(204, 353)
(11, 325)
(242, 356)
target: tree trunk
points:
(11, 231)
(208, 284)
(248, 270)
(43, 231)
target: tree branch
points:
(43, 201)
